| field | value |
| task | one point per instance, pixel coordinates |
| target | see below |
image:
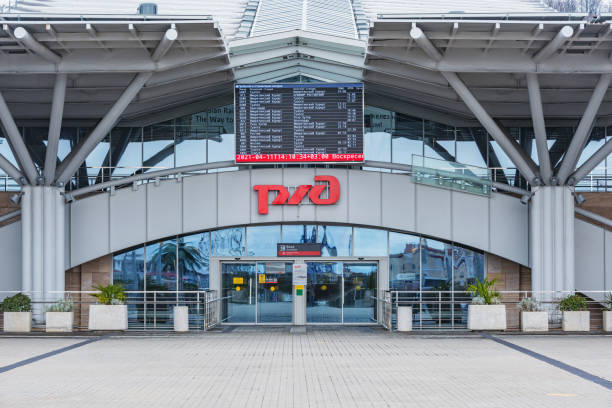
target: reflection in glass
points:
(471, 146)
(407, 138)
(335, 241)
(404, 262)
(439, 141)
(193, 253)
(190, 139)
(262, 240)
(436, 266)
(126, 151)
(323, 292)
(274, 292)
(158, 147)
(468, 266)
(300, 234)
(160, 276)
(128, 271)
(227, 242)
(359, 292)
(238, 292)
(370, 242)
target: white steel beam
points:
(539, 127)
(72, 162)
(164, 45)
(509, 146)
(19, 148)
(553, 45)
(55, 126)
(581, 136)
(534, 35)
(11, 170)
(29, 41)
(592, 162)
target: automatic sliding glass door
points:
(257, 292)
(359, 292)
(324, 292)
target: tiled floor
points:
(326, 367)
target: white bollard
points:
(181, 318)
(404, 318)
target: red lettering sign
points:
(314, 193)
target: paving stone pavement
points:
(326, 367)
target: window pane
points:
(35, 139)
(126, 151)
(407, 138)
(128, 269)
(436, 283)
(299, 234)
(468, 265)
(261, 241)
(96, 159)
(404, 262)
(472, 146)
(191, 140)
(439, 141)
(158, 147)
(161, 266)
(370, 242)
(335, 241)
(194, 252)
(227, 242)
(377, 146)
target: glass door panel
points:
(238, 283)
(324, 292)
(274, 292)
(359, 292)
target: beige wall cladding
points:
(83, 278)
(510, 276)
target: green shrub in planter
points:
(62, 305)
(17, 303)
(110, 294)
(573, 303)
(608, 302)
(484, 292)
(529, 304)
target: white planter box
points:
(404, 318)
(18, 322)
(181, 318)
(487, 317)
(534, 321)
(576, 321)
(607, 321)
(59, 322)
(108, 317)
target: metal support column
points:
(55, 126)
(539, 128)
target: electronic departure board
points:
(299, 122)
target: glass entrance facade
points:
(257, 292)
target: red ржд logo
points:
(314, 193)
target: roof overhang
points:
(492, 54)
(101, 55)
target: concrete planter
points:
(607, 321)
(59, 322)
(487, 317)
(404, 318)
(181, 318)
(534, 321)
(576, 321)
(18, 322)
(108, 317)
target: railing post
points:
(155, 310)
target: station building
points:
(487, 144)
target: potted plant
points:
(60, 316)
(576, 316)
(533, 319)
(485, 312)
(607, 314)
(110, 313)
(17, 311)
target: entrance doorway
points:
(261, 291)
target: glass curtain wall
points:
(208, 137)
(417, 267)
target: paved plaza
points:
(326, 367)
